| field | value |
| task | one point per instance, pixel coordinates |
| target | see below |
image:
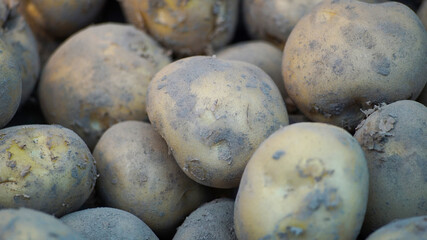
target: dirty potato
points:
(409, 228)
(422, 13)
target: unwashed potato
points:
(44, 167)
(27, 224)
(213, 114)
(99, 77)
(61, 18)
(348, 55)
(138, 175)
(403, 229)
(422, 13)
(213, 220)
(187, 27)
(108, 223)
(394, 139)
(306, 181)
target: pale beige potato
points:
(402, 229)
(99, 77)
(394, 139)
(44, 167)
(347, 55)
(138, 175)
(213, 114)
(422, 13)
(306, 181)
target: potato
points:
(348, 55)
(187, 27)
(61, 18)
(108, 223)
(306, 181)
(409, 228)
(28, 224)
(422, 13)
(99, 77)
(213, 220)
(139, 176)
(263, 55)
(213, 114)
(44, 167)
(394, 141)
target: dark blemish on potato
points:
(332, 199)
(358, 37)
(278, 154)
(313, 44)
(194, 167)
(338, 67)
(74, 173)
(11, 164)
(25, 171)
(380, 64)
(313, 168)
(314, 199)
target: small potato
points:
(306, 181)
(139, 176)
(213, 114)
(394, 139)
(108, 223)
(348, 55)
(409, 228)
(44, 167)
(27, 224)
(213, 220)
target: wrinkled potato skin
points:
(346, 56)
(44, 167)
(23, 224)
(139, 176)
(61, 18)
(188, 27)
(99, 77)
(394, 141)
(422, 13)
(213, 114)
(409, 228)
(263, 55)
(306, 181)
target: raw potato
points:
(422, 13)
(108, 223)
(139, 176)
(409, 228)
(394, 139)
(213, 220)
(61, 18)
(187, 27)
(99, 77)
(263, 55)
(348, 55)
(28, 224)
(44, 167)
(306, 181)
(213, 114)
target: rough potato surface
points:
(409, 228)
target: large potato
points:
(138, 175)
(409, 228)
(348, 55)
(394, 139)
(306, 181)
(99, 77)
(187, 27)
(44, 167)
(213, 114)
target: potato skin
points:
(394, 141)
(213, 114)
(409, 228)
(108, 223)
(422, 13)
(187, 27)
(44, 167)
(355, 56)
(139, 176)
(306, 181)
(26, 223)
(114, 63)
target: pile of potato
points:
(213, 119)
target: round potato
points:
(394, 139)
(410, 228)
(213, 114)
(99, 77)
(306, 181)
(108, 223)
(187, 27)
(138, 175)
(44, 167)
(26, 223)
(213, 220)
(348, 55)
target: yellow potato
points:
(408, 228)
